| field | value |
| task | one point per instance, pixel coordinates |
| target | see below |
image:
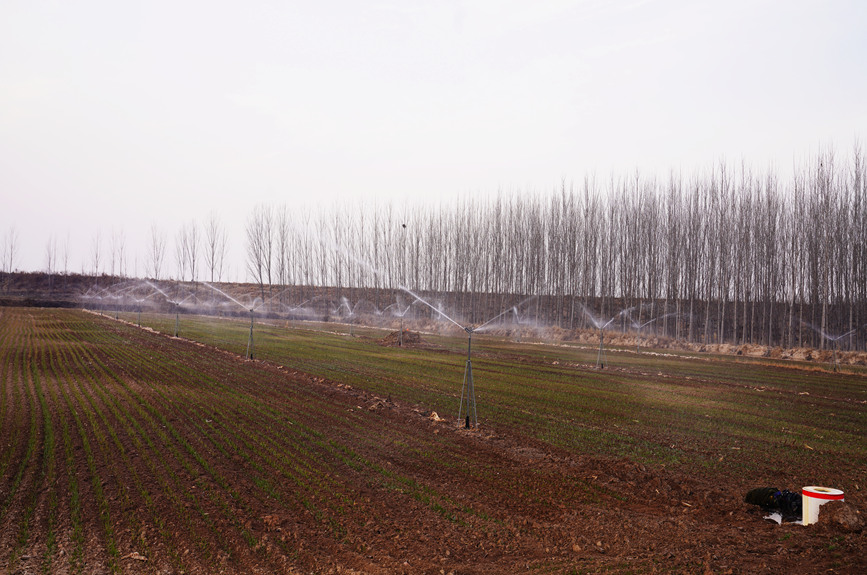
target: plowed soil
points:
(123, 450)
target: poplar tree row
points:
(726, 256)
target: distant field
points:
(642, 404)
(125, 450)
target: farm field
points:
(128, 450)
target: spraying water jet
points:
(832, 338)
(600, 357)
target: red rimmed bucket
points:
(813, 497)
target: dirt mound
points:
(394, 339)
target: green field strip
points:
(14, 411)
(226, 505)
(28, 481)
(95, 447)
(25, 405)
(418, 494)
(316, 477)
(48, 495)
(377, 364)
(176, 490)
(261, 444)
(76, 537)
(235, 498)
(132, 504)
(65, 486)
(752, 430)
(107, 399)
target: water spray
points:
(600, 357)
(351, 316)
(470, 417)
(401, 315)
(833, 338)
(251, 310)
(638, 327)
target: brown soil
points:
(409, 338)
(389, 487)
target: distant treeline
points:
(725, 256)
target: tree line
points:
(729, 255)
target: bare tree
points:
(187, 251)
(284, 229)
(96, 253)
(156, 252)
(181, 247)
(722, 257)
(216, 241)
(259, 244)
(193, 242)
(117, 249)
(9, 253)
(66, 255)
(51, 259)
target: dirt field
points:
(124, 450)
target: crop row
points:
(122, 443)
(703, 413)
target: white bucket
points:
(814, 497)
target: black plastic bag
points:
(785, 502)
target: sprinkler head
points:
(468, 330)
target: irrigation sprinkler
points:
(344, 303)
(251, 310)
(639, 326)
(600, 357)
(468, 389)
(638, 336)
(250, 341)
(834, 339)
(834, 352)
(470, 417)
(401, 315)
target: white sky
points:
(115, 115)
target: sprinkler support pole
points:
(600, 357)
(468, 388)
(250, 341)
(177, 320)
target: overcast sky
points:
(116, 115)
